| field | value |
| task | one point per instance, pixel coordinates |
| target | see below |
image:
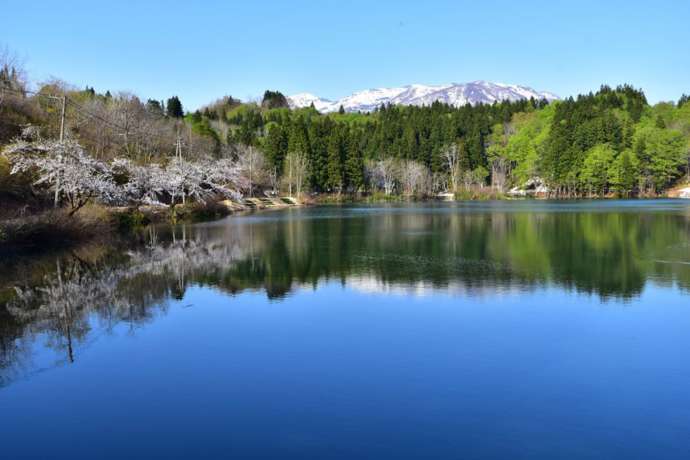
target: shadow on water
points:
(61, 299)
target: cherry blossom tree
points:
(140, 184)
(179, 181)
(226, 177)
(67, 170)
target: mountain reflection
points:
(61, 300)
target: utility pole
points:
(56, 199)
(178, 144)
(251, 164)
(290, 171)
(62, 118)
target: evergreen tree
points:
(274, 100)
(154, 106)
(335, 162)
(684, 99)
(354, 162)
(276, 146)
(299, 143)
(174, 108)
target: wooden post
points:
(62, 118)
(56, 199)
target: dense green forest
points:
(608, 141)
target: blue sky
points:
(203, 50)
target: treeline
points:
(342, 149)
(603, 143)
(611, 141)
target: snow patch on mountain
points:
(307, 99)
(456, 94)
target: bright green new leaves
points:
(595, 170)
(623, 173)
(662, 153)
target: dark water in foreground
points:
(480, 330)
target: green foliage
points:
(525, 146)
(661, 153)
(588, 148)
(275, 146)
(608, 141)
(249, 122)
(336, 153)
(623, 173)
(200, 125)
(577, 145)
(354, 162)
(595, 169)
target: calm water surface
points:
(501, 330)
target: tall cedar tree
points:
(174, 108)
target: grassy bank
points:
(472, 193)
(55, 228)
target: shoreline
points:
(54, 229)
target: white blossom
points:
(68, 171)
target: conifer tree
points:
(276, 146)
(684, 99)
(274, 100)
(335, 162)
(174, 108)
(354, 163)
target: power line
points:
(78, 107)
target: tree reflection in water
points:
(64, 300)
(100, 289)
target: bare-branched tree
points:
(451, 158)
(414, 178)
(295, 172)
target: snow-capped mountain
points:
(456, 94)
(306, 99)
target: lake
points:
(473, 330)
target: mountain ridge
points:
(457, 94)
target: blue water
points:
(366, 362)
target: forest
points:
(67, 147)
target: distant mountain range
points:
(456, 94)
